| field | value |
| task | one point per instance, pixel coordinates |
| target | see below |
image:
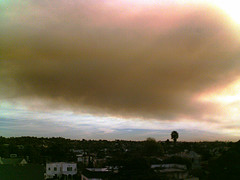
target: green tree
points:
(151, 147)
(227, 166)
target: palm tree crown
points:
(174, 136)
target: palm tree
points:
(174, 136)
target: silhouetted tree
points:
(174, 136)
(152, 147)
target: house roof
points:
(12, 161)
(97, 169)
(172, 170)
(96, 174)
(61, 163)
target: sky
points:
(124, 69)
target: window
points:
(49, 168)
(55, 168)
(69, 168)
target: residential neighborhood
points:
(59, 158)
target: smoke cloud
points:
(116, 59)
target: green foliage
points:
(26, 172)
(152, 148)
(226, 166)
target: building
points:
(59, 169)
(81, 151)
(86, 159)
(171, 171)
(193, 157)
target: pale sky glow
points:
(120, 69)
(229, 99)
(231, 7)
(227, 95)
(71, 125)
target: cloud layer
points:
(117, 59)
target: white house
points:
(58, 169)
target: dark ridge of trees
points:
(226, 166)
(151, 147)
